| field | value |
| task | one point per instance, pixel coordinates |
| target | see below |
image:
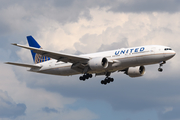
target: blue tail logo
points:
(37, 58)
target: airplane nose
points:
(174, 53)
(170, 54)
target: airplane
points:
(131, 61)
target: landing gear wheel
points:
(160, 69)
(80, 78)
(90, 75)
(102, 81)
(85, 76)
(112, 79)
(107, 80)
(160, 65)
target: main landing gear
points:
(107, 80)
(160, 65)
(85, 76)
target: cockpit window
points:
(167, 49)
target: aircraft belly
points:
(64, 71)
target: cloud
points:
(33, 103)
(49, 110)
(134, 95)
(101, 42)
(122, 43)
(26, 17)
(82, 27)
(172, 114)
(8, 108)
(82, 114)
(147, 6)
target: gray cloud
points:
(4, 28)
(122, 43)
(127, 6)
(148, 6)
(60, 10)
(134, 94)
(63, 3)
(49, 110)
(170, 115)
(125, 94)
(92, 42)
(22, 17)
(70, 10)
(8, 108)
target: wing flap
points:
(56, 55)
(24, 65)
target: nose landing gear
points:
(160, 65)
(160, 69)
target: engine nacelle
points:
(135, 71)
(98, 63)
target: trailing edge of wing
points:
(24, 65)
(55, 55)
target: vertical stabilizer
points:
(37, 58)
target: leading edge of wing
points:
(55, 55)
(24, 65)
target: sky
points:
(87, 26)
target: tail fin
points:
(37, 58)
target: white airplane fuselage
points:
(118, 60)
(129, 60)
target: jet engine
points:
(135, 71)
(98, 63)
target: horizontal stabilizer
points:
(24, 65)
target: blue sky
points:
(86, 26)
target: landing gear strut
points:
(85, 76)
(160, 65)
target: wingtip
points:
(14, 44)
(6, 62)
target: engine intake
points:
(98, 63)
(135, 71)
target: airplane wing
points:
(24, 65)
(56, 55)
